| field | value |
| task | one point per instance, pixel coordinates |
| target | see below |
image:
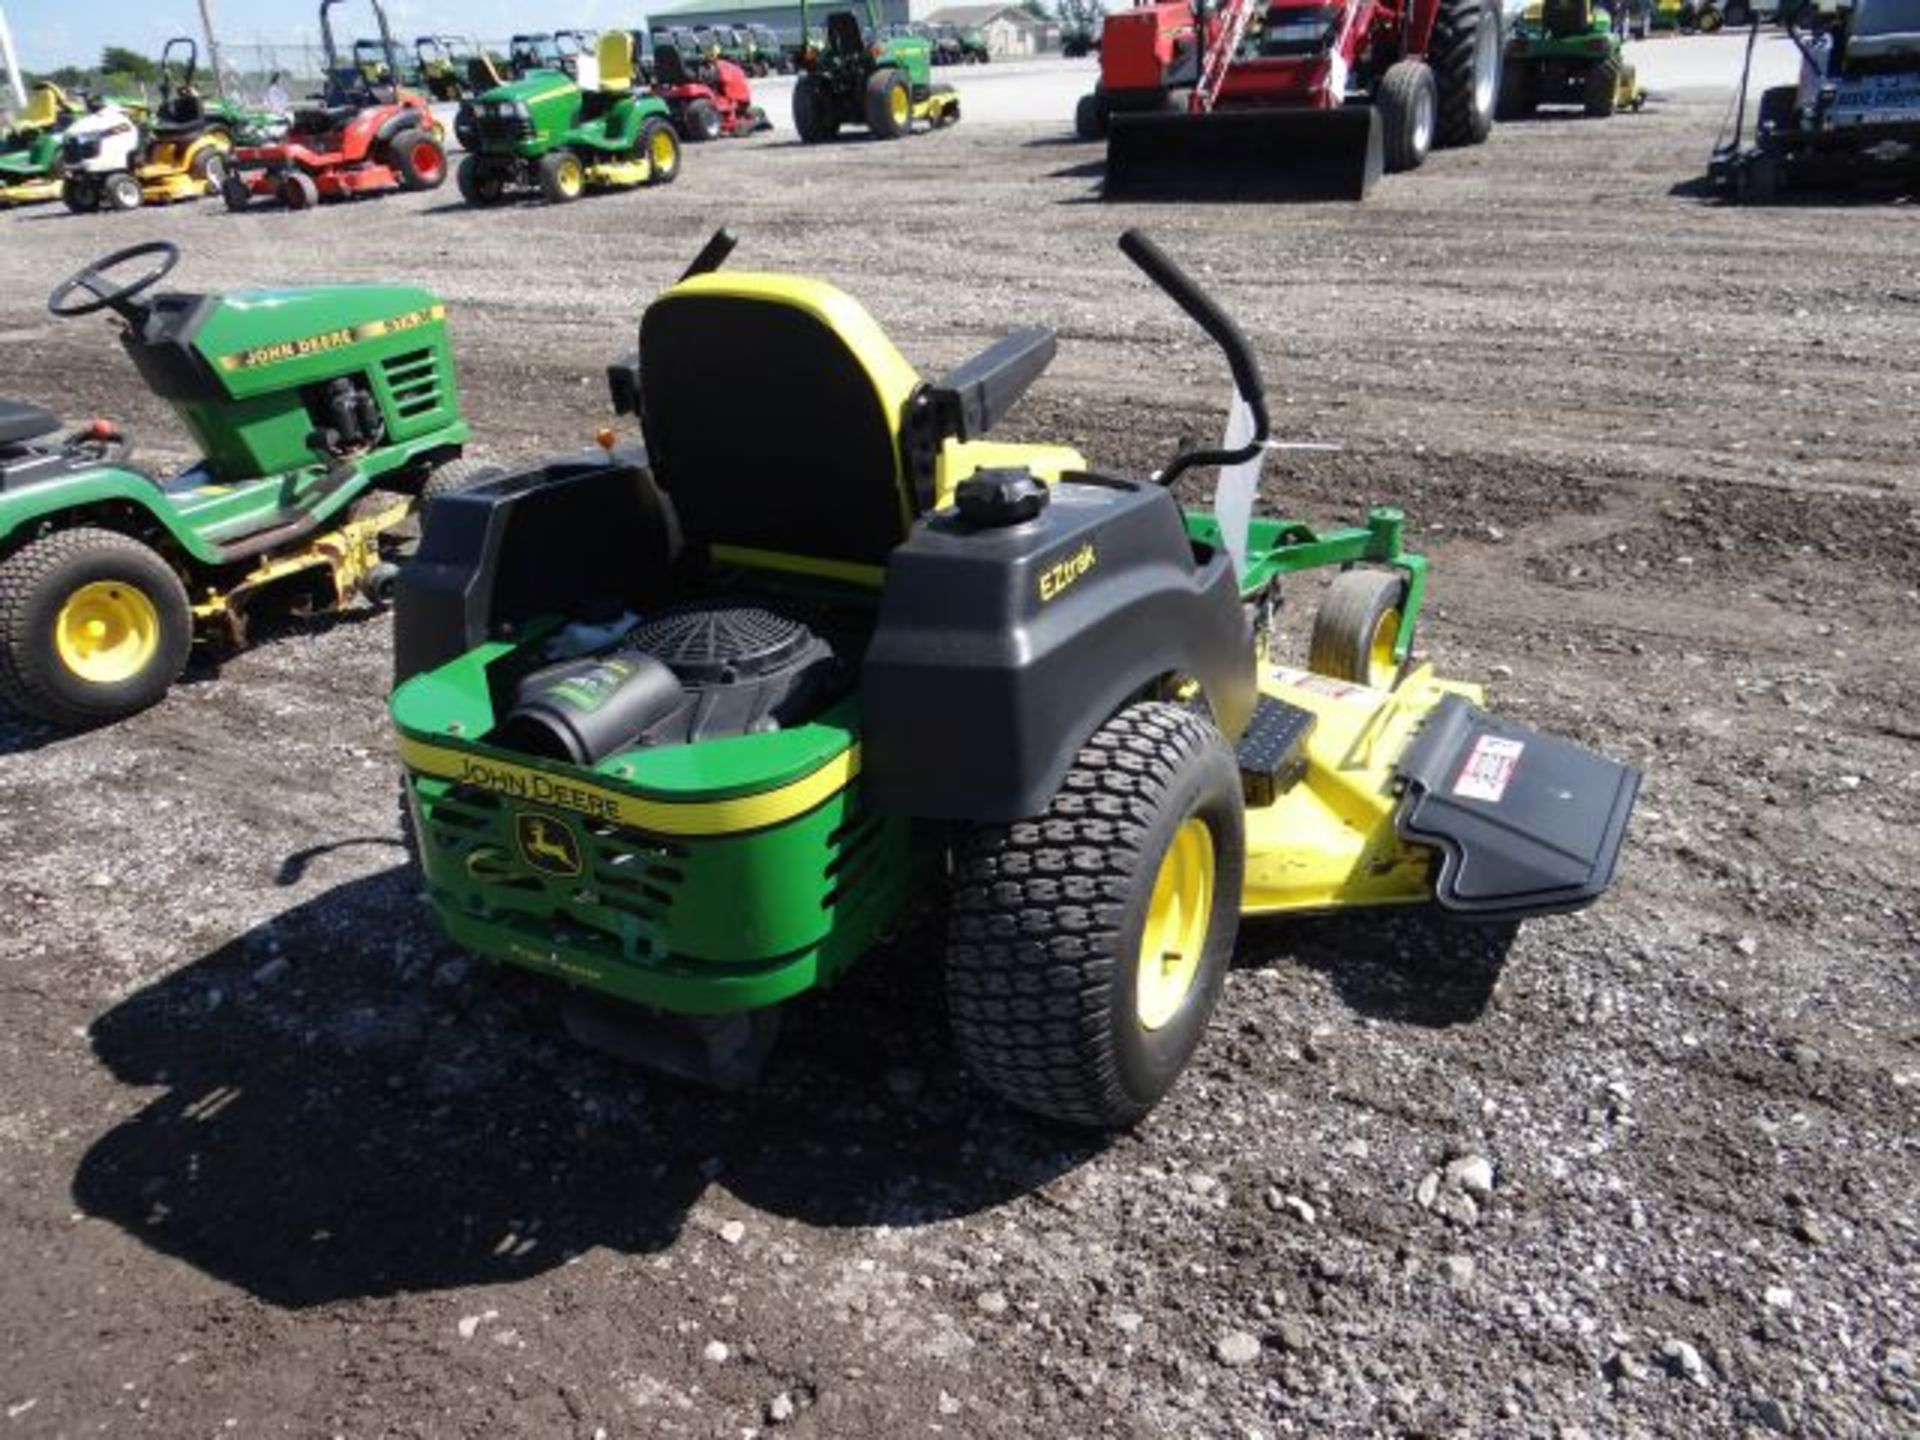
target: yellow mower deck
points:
(167, 175)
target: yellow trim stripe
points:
(736, 815)
(326, 340)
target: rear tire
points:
(1602, 88)
(1777, 106)
(209, 167)
(1090, 118)
(814, 118)
(1516, 93)
(889, 105)
(1465, 54)
(236, 192)
(700, 121)
(80, 196)
(1083, 963)
(1355, 627)
(1409, 103)
(419, 160)
(94, 626)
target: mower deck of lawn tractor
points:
(792, 679)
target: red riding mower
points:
(708, 99)
(367, 137)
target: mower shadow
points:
(1413, 967)
(350, 1109)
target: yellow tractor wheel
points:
(1087, 947)
(94, 625)
(1357, 626)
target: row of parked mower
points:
(571, 122)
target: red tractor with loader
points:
(368, 136)
(708, 98)
(1288, 99)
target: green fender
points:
(100, 485)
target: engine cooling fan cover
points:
(724, 643)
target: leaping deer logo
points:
(547, 845)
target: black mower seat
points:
(816, 472)
(21, 421)
(322, 119)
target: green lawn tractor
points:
(324, 413)
(883, 84)
(30, 151)
(1566, 52)
(545, 131)
(693, 725)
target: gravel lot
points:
(275, 1161)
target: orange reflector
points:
(605, 437)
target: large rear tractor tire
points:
(1409, 104)
(420, 160)
(93, 627)
(1465, 53)
(700, 122)
(889, 105)
(1090, 117)
(1087, 947)
(1602, 88)
(1356, 626)
(209, 167)
(814, 117)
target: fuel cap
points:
(1000, 497)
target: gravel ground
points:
(276, 1161)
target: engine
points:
(697, 672)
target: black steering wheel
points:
(94, 280)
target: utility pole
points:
(213, 49)
(12, 61)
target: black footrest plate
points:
(1272, 749)
(1525, 823)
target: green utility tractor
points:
(884, 85)
(693, 725)
(325, 413)
(1566, 52)
(545, 131)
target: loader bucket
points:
(1269, 154)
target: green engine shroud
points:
(700, 879)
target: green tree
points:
(1081, 17)
(118, 60)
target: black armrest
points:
(977, 395)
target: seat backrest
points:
(42, 111)
(615, 53)
(184, 108)
(1567, 17)
(816, 471)
(843, 34)
(668, 68)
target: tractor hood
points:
(541, 104)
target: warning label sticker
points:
(1489, 768)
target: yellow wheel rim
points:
(1175, 933)
(1381, 664)
(572, 178)
(107, 632)
(663, 152)
(898, 103)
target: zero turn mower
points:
(111, 162)
(546, 132)
(884, 85)
(30, 151)
(692, 726)
(304, 400)
(1566, 52)
(707, 99)
(368, 137)
(1854, 118)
